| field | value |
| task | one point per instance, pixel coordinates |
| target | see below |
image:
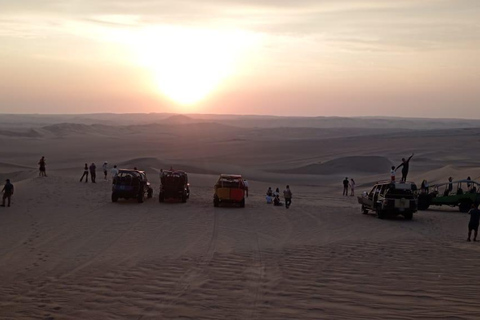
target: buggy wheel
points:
(242, 203)
(364, 210)
(150, 193)
(465, 205)
(408, 216)
(140, 197)
(114, 197)
(184, 198)
(380, 214)
(215, 202)
(423, 202)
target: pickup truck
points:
(390, 199)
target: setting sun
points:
(188, 64)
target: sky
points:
(407, 58)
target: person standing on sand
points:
(352, 187)
(245, 183)
(7, 192)
(392, 174)
(405, 164)
(114, 171)
(287, 194)
(85, 173)
(345, 186)
(105, 169)
(42, 167)
(93, 173)
(474, 221)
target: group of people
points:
(348, 184)
(274, 197)
(92, 169)
(406, 166)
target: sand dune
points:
(68, 252)
(346, 165)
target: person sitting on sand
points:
(269, 192)
(7, 192)
(276, 200)
(345, 186)
(85, 173)
(405, 164)
(474, 221)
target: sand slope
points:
(67, 252)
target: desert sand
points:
(68, 252)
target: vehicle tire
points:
(380, 214)
(140, 197)
(150, 193)
(215, 202)
(161, 197)
(423, 202)
(465, 205)
(408, 216)
(242, 203)
(114, 197)
(184, 198)
(364, 210)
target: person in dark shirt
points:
(7, 192)
(42, 167)
(405, 164)
(346, 182)
(85, 173)
(93, 172)
(474, 221)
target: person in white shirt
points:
(352, 187)
(245, 183)
(114, 171)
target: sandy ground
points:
(67, 252)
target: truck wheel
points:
(242, 203)
(184, 198)
(408, 216)
(161, 197)
(215, 202)
(423, 202)
(114, 197)
(150, 193)
(140, 197)
(380, 214)
(465, 206)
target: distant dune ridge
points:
(344, 165)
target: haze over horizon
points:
(400, 58)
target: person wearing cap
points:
(105, 169)
(7, 192)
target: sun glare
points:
(188, 64)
